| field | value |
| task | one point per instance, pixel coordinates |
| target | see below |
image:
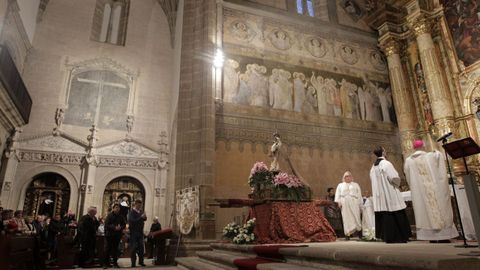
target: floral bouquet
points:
(231, 230)
(260, 176)
(290, 187)
(245, 234)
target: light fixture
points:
(218, 59)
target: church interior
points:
(171, 102)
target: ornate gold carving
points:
(391, 46)
(420, 26)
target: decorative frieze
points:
(51, 157)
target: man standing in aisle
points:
(136, 221)
(114, 225)
(427, 178)
(391, 222)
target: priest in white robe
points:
(349, 198)
(391, 222)
(427, 177)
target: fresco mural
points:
(463, 18)
(300, 89)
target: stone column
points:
(401, 93)
(89, 166)
(437, 88)
(7, 174)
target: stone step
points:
(363, 255)
(195, 263)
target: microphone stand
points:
(450, 180)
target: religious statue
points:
(59, 117)
(129, 123)
(275, 152)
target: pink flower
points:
(287, 180)
(258, 167)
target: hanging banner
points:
(188, 208)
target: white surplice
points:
(349, 196)
(368, 219)
(386, 197)
(427, 178)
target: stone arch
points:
(29, 176)
(102, 183)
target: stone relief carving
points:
(280, 89)
(348, 54)
(127, 162)
(280, 39)
(377, 60)
(129, 125)
(316, 47)
(325, 136)
(59, 117)
(230, 80)
(12, 144)
(127, 149)
(51, 157)
(242, 31)
(7, 186)
(164, 151)
(53, 143)
(325, 95)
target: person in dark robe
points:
(136, 222)
(114, 225)
(156, 226)
(333, 213)
(46, 207)
(87, 230)
(124, 207)
(55, 227)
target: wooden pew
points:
(18, 252)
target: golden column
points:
(437, 89)
(402, 96)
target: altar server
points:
(368, 218)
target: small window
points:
(110, 21)
(305, 7)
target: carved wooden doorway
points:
(48, 194)
(124, 190)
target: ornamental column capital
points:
(390, 46)
(420, 26)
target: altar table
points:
(291, 222)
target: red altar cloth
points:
(291, 222)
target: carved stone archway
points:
(48, 194)
(124, 190)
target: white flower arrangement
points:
(240, 235)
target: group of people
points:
(45, 228)
(114, 227)
(383, 215)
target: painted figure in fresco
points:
(385, 99)
(257, 82)
(334, 104)
(464, 21)
(280, 90)
(319, 84)
(311, 101)
(299, 91)
(244, 93)
(230, 80)
(361, 102)
(349, 99)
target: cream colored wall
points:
(28, 13)
(64, 35)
